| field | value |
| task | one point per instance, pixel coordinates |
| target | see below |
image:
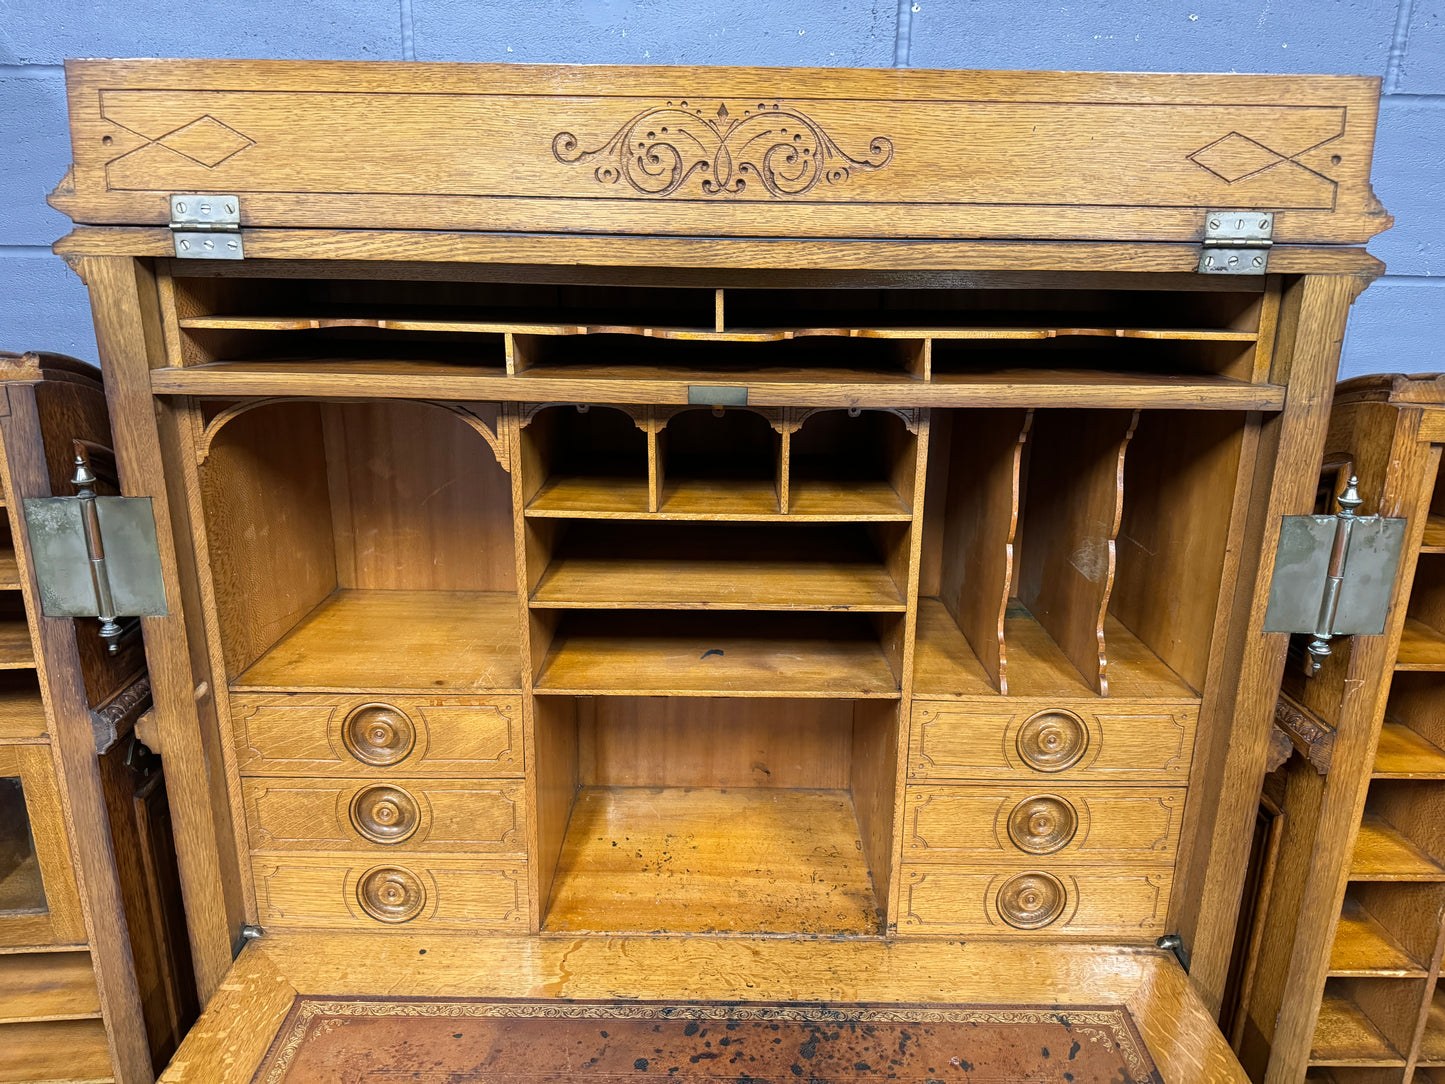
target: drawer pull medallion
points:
(1030, 901)
(1053, 740)
(385, 813)
(391, 894)
(378, 734)
(1042, 824)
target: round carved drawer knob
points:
(391, 894)
(385, 813)
(1030, 901)
(1042, 824)
(378, 734)
(1050, 741)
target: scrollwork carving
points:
(785, 151)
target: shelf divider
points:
(1071, 516)
(980, 521)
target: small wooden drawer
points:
(1068, 824)
(393, 890)
(1087, 740)
(1115, 903)
(426, 816)
(318, 734)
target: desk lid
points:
(722, 152)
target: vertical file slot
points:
(980, 522)
(1071, 516)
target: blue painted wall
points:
(1399, 323)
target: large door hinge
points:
(1236, 242)
(1333, 575)
(207, 227)
(96, 556)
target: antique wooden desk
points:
(811, 512)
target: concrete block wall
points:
(1399, 323)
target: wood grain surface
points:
(973, 154)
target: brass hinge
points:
(1237, 242)
(95, 556)
(207, 227)
(1333, 575)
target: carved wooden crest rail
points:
(723, 152)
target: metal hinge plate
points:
(1303, 576)
(206, 227)
(1236, 242)
(64, 563)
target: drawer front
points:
(394, 890)
(1068, 824)
(309, 734)
(426, 816)
(1086, 740)
(1126, 904)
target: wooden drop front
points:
(717, 501)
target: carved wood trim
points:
(1313, 739)
(117, 717)
(496, 439)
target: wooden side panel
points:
(910, 153)
(1231, 757)
(1075, 499)
(554, 756)
(146, 435)
(266, 500)
(876, 762)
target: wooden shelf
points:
(1421, 647)
(1363, 947)
(9, 571)
(590, 498)
(1384, 854)
(716, 654)
(1344, 1035)
(1433, 541)
(704, 860)
(16, 650)
(732, 567)
(1432, 1041)
(55, 1050)
(398, 640)
(928, 326)
(944, 665)
(36, 986)
(373, 378)
(1404, 754)
(719, 500)
(22, 713)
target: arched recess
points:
(306, 501)
(489, 428)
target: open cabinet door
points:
(1345, 957)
